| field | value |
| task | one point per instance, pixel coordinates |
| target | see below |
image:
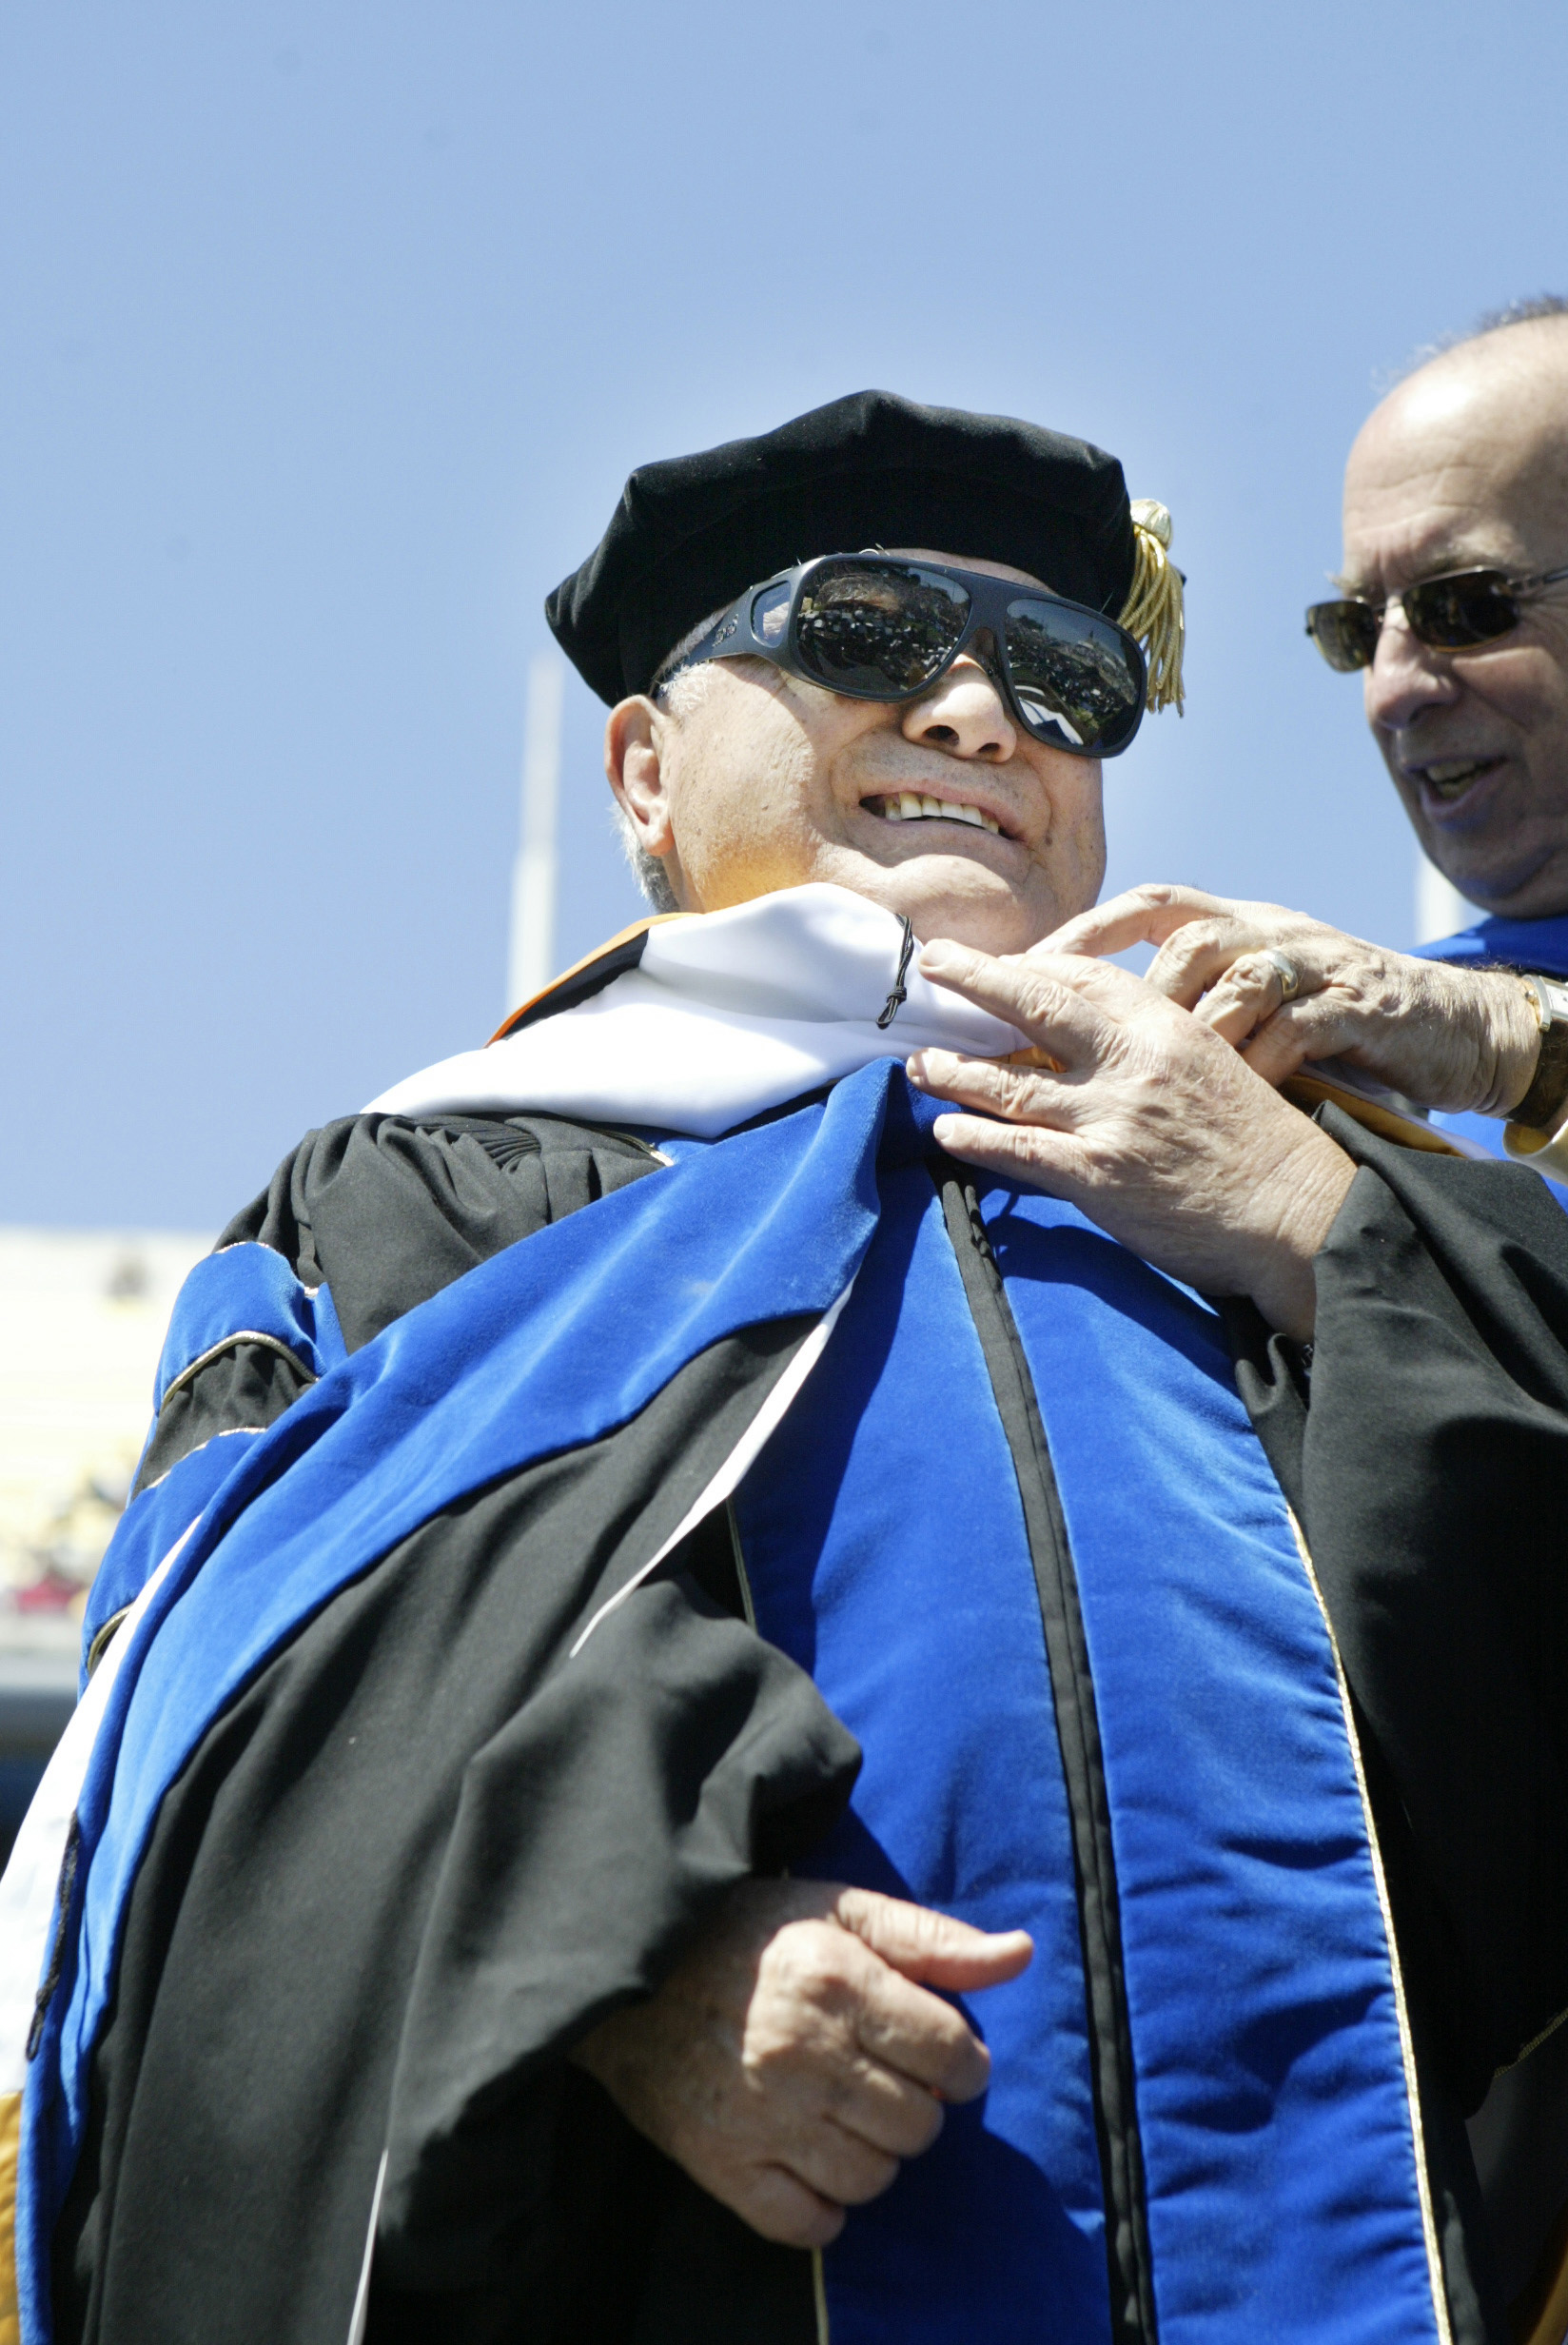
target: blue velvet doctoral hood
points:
(1265, 2159)
(1514, 944)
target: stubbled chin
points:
(1539, 895)
(954, 894)
(1531, 885)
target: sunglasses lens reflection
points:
(771, 613)
(1451, 612)
(1473, 606)
(878, 630)
(881, 630)
(1078, 683)
(1345, 633)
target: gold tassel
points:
(1153, 610)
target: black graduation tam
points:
(692, 534)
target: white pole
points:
(531, 961)
(1440, 908)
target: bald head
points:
(1467, 458)
(1465, 466)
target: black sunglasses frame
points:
(1509, 594)
(734, 636)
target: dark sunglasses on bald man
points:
(1447, 614)
(874, 628)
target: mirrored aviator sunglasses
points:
(1447, 614)
(873, 628)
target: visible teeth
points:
(905, 806)
(1451, 773)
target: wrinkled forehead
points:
(1460, 468)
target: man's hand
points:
(1151, 1124)
(792, 2059)
(1445, 1037)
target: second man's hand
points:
(1146, 1120)
(797, 2054)
(1446, 1037)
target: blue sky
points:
(329, 335)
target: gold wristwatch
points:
(1544, 1106)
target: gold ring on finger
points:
(1286, 970)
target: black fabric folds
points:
(426, 1848)
(387, 1212)
(421, 1854)
(873, 469)
(417, 1855)
(245, 1389)
(1430, 1473)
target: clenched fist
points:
(798, 2056)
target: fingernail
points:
(938, 956)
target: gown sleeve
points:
(422, 1854)
(385, 1212)
(1425, 1451)
(1423, 1443)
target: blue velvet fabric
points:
(534, 1353)
(249, 1290)
(149, 1526)
(246, 1290)
(919, 1620)
(1512, 944)
(1265, 2027)
(884, 1546)
(883, 1536)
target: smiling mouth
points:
(911, 806)
(1449, 778)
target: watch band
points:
(1544, 1106)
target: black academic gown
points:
(290, 1922)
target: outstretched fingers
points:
(1061, 1003)
(1019, 1116)
(1053, 1162)
(1013, 1123)
(1139, 915)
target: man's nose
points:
(1405, 677)
(964, 713)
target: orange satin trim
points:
(638, 928)
(1308, 1090)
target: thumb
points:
(931, 1947)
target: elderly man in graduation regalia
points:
(730, 1707)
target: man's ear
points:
(634, 742)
